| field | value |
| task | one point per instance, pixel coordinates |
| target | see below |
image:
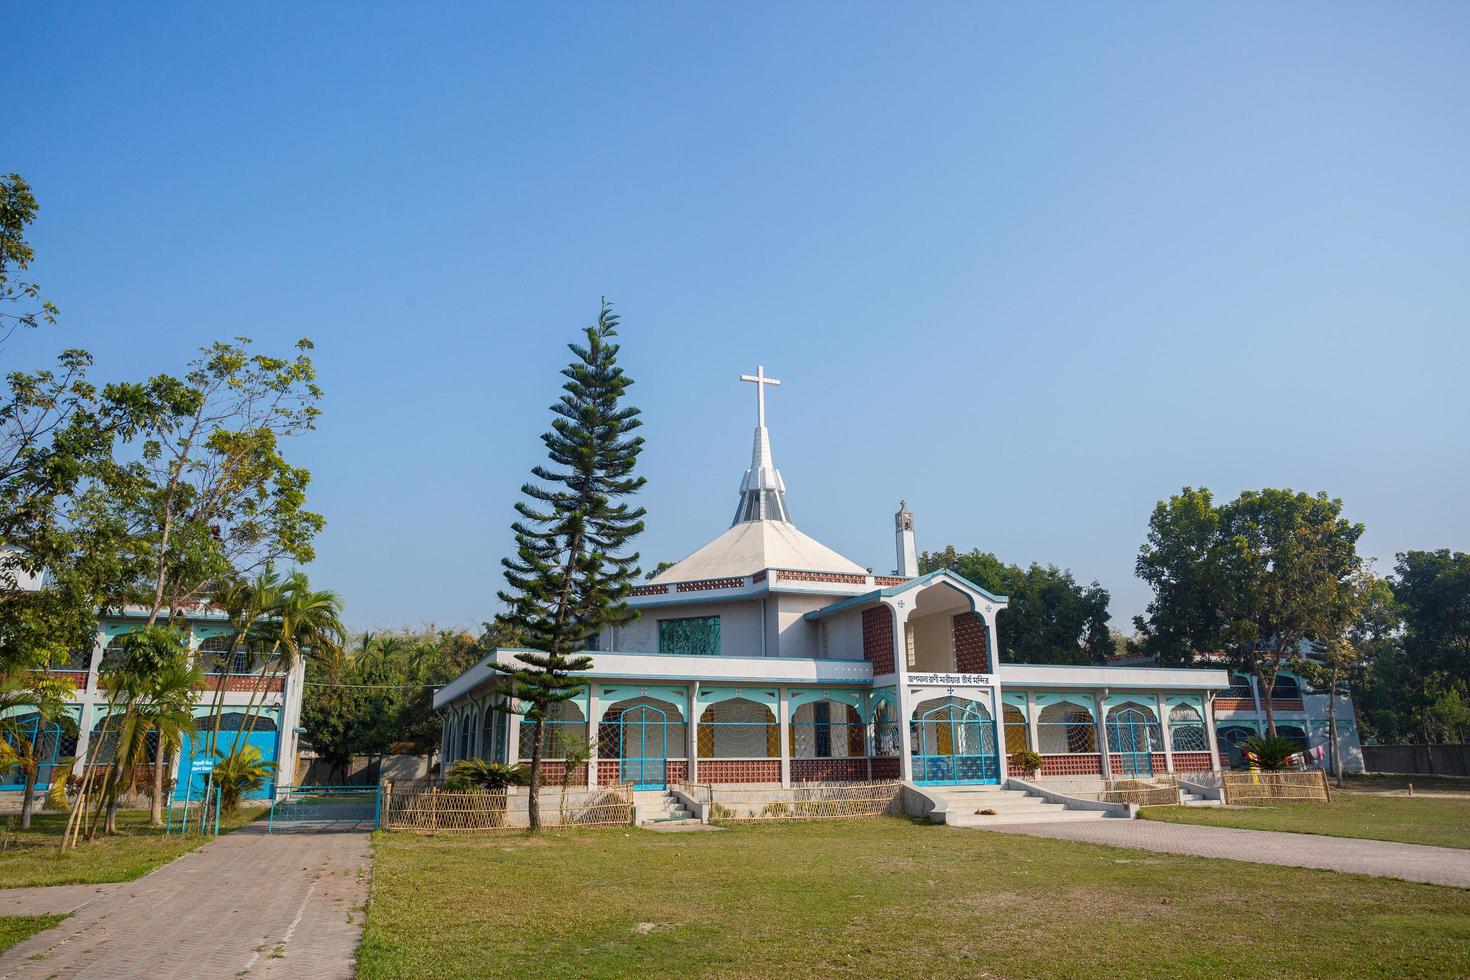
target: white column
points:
(594, 722)
(87, 716)
(905, 700)
(692, 733)
(513, 750)
(1033, 733)
(1210, 730)
(1164, 727)
(785, 736)
(1101, 697)
(998, 712)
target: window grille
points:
(564, 721)
(827, 730)
(1187, 730)
(738, 729)
(696, 636)
(1065, 729)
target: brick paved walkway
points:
(250, 904)
(1385, 859)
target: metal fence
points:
(1257, 788)
(325, 808)
(812, 802)
(429, 809)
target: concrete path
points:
(1385, 859)
(249, 904)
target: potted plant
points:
(1024, 764)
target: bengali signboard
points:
(949, 680)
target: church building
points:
(766, 658)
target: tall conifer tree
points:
(571, 574)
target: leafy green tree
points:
(1259, 578)
(570, 574)
(210, 492)
(18, 208)
(1050, 619)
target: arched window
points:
(77, 660)
(1228, 739)
(215, 656)
(467, 737)
(234, 721)
(827, 730)
(49, 744)
(1017, 738)
(115, 649)
(885, 729)
(1065, 728)
(1240, 687)
(1286, 688)
(642, 728)
(564, 721)
(738, 729)
(1133, 727)
(1293, 732)
(450, 729)
(1187, 730)
(487, 735)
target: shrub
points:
(1270, 753)
(471, 774)
(236, 775)
(1025, 762)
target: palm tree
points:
(252, 607)
(151, 688)
(168, 714)
(308, 623)
(30, 704)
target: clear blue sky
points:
(1033, 268)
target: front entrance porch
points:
(953, 743)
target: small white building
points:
(765, 657)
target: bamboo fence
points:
(747, 805)
(1253, 788)
(433, 810)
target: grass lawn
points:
(1387, 782)
(14, 928)
(881, 897)
(1416, 820)
(33, 857)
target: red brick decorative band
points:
(739, 770)
(837, 577)
(649, 590)
(709, 584)
(829, 770)
(886, 767)
(969, 644)
(887, 580)
(1192, 762)
(1084, 764)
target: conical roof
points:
(752, 546)
(762, 535)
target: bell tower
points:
(908, 555)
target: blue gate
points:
(954, 744)
(326, 808)
(1133, 737)
(643, 747)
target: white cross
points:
(761, 381)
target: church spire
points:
(762, 494)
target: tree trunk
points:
(533, 796)
(1266, 691)
(160, 766)
(28, 799)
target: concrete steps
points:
(659, 806)
(1195, 799)
(962, 806)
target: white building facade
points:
(766, 658)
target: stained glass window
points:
(695, 636)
